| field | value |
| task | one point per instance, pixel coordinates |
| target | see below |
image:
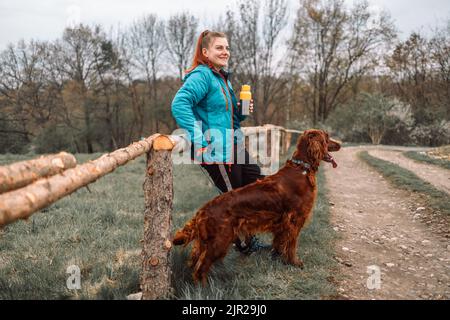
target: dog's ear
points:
(316, 143)
(334, 145)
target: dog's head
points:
(316, 145)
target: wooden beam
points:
(22, 203)
(20, 174)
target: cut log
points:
(21, 203)
(20, 174)
(158, 191)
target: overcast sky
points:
(46, 19)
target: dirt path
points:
(378, 226)
(439, 177)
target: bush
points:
(373, 118)
(434, 134)
(11, 142)
(54, 139)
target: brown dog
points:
(279, 204)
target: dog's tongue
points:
(333, 163)
(331, 159)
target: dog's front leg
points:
(292, 253)
(285, 241)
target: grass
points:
(407, 180)
(99, 231)
(423, 157)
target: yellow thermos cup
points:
(245, 96)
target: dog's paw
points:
(298, 263)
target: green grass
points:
(100, 232)
(407, 180)
(421, 157)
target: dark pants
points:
(238, 175)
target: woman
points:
(207, 108)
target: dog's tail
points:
(185, 235)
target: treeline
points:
(339, 67)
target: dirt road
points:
(385, 250)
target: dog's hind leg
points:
(195, 253)
(209, 255)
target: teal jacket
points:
(206, 107)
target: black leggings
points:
(238, 175)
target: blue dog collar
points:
(305, 165)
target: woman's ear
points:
(205, 52)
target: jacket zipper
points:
(232, 122)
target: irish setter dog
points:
(279, 204)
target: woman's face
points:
(218, 52)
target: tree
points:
(411, 71)
(105, 89)
(78, 50)
(147, 45)
(29, 99)
(331, 46)
(440, 57)
(254, 34)
(180, 35)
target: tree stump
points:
(158, 190)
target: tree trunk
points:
(158, 190)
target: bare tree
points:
(254, 44)
(147, 45)
(105, 90)
(331, 46)
(420, 70)
(13, 119)
(78, 49)
(440, 57)
(128, 73)
(180, 35)
(27, 93)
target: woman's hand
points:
(250, 107)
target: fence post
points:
(158, 191)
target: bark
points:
(158, 190)
(20, 174)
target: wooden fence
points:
(28, 186)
